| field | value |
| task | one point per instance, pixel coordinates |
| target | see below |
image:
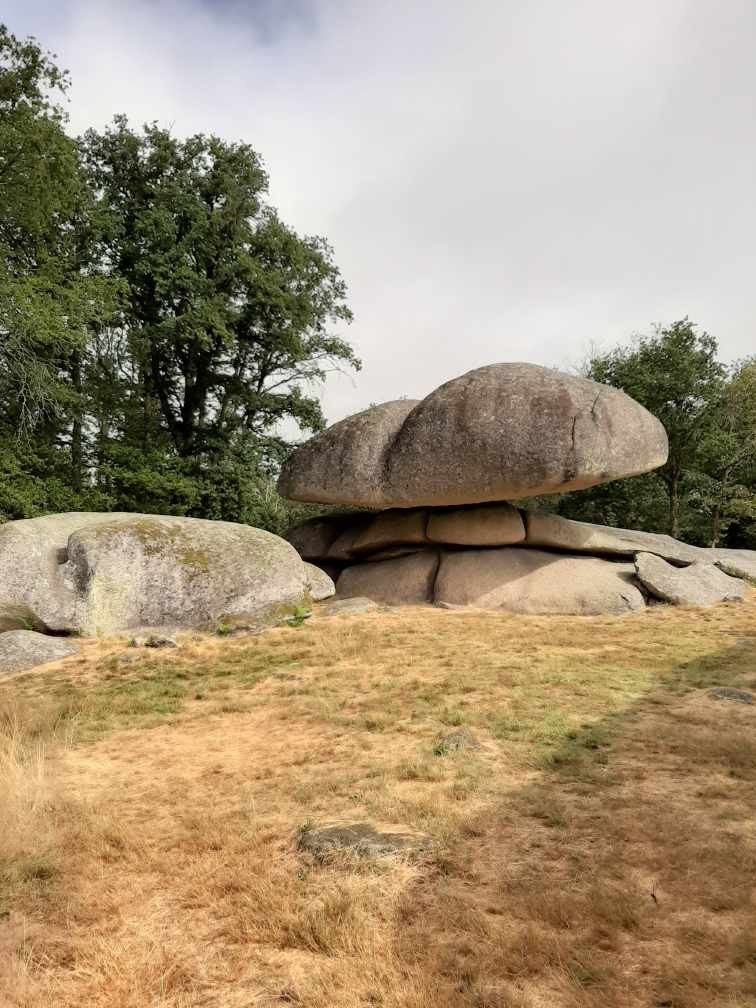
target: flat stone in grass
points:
(730, 693)
(351, 607)
(456, 741)
(362, 839)
(153, 640)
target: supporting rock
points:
(531, 581)
(701, 584)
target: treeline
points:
(706, 493)
(158, 322)
(161, 328)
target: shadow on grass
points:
(622, 876)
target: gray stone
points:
(341, 549)
(392, 528)
(105, 573)
(407, 580)
(362, 839)
(312, 539)
(153, 640)
(484, 525)
(25, 649)
(500, 432)
(341, 465)
(33, 554)
(351, 607)
(456, 741)
(700, 584)
(729, 693)
(184, 572)
(523, 580)
(392, 552)
(551, 531)
(740, 563)
(320, 585)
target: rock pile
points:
(441, 473)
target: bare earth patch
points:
(595, 847)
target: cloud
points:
(501, 179)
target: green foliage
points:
(706, 492)
(159, 322)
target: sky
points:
(501, 180)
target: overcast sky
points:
(500, 179)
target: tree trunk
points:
(674, 505)
(715, 523)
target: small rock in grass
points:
(729, 693)
(456, 741)
(351, 606)
(360, 838)
(153, 641)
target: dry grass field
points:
(598, 849)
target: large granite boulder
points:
(500, 432)
(25, 649)
(550, 531)
(700, 584)
(104, 573)
(33, 551)
(407, 580)
(532, 581)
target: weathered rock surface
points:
(551, 531)
(25, 649)
(391, 528)
(104, 573)
(485, 525)
(700, 584)
(497, 433)
(319, 583)
(351, 607)
(313, 538)
(363, 839)
(186, 572)
(341, 465)
(405, 581)
(32, 554)
(740, 563)
(341, 549)
(532, 581)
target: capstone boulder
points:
(500, 432)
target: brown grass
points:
(598, 849)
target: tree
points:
(726, 482)
(227, 312)
(674, 373)
(49, 299)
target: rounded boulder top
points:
(499, 432)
